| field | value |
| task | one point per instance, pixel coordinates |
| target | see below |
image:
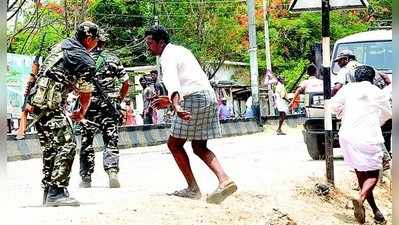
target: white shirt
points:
(312, 85)
(181, 71)
(280, 91)
(365, 110)
(347, 73)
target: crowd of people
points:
(77, 82)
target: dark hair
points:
(143, 80)
(311, 70)
(364, 73)
(154, 71)
(158, 33)
(86, 29)
(351, 57)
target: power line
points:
(141, 16)
(204, 2)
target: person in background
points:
(225, 111)
(281, 103)
(109, 71)
(148, 95)
(365, 108)
(346, 60)
(313, 84)
(248, 111)
(129, 113)
(160, 90)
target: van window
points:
(374, 53)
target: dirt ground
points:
(276, 186)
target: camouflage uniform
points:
(67, 67)
(109, 71)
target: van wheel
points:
(315, 145)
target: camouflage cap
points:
(86, 29)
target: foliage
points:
(292, 36)
(211, 31)
(214, 31)
(123, 22)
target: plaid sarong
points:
(204, 123)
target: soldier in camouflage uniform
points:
(68, 67)
(109, 71)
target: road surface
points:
(274, 174)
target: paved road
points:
(267, 168)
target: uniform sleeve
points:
(116, 67)
(81, 64)
(170, 74)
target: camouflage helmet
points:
(87, 29)
(102, 35)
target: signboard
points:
(18, 68)
(315, 5)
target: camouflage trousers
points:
(58, 147)
(108, 126)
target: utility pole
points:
(156, 23)
(158, 66)
(328, 135)
(267, 52)
(253, 57)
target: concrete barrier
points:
(129, 137)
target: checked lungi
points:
(204, 123)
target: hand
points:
(184, 115)
(28, 108)
(386, 79)
(77, 116)
(161, 102)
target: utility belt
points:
(48, 94)
(112, 95)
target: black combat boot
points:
(59, 196)
(86, 182)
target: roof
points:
(375, 35)
(227, 62)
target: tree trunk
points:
(66, 18)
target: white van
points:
(373, 48)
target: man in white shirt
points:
(346, 60)
(313, 84)
(366, 108)
(281, 103)
(196, 119)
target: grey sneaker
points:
(113, 180)
(59, 197)
(62, 201)
(85, 183)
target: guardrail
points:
(133, 136)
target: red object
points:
(130, 118)
(296, 102)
